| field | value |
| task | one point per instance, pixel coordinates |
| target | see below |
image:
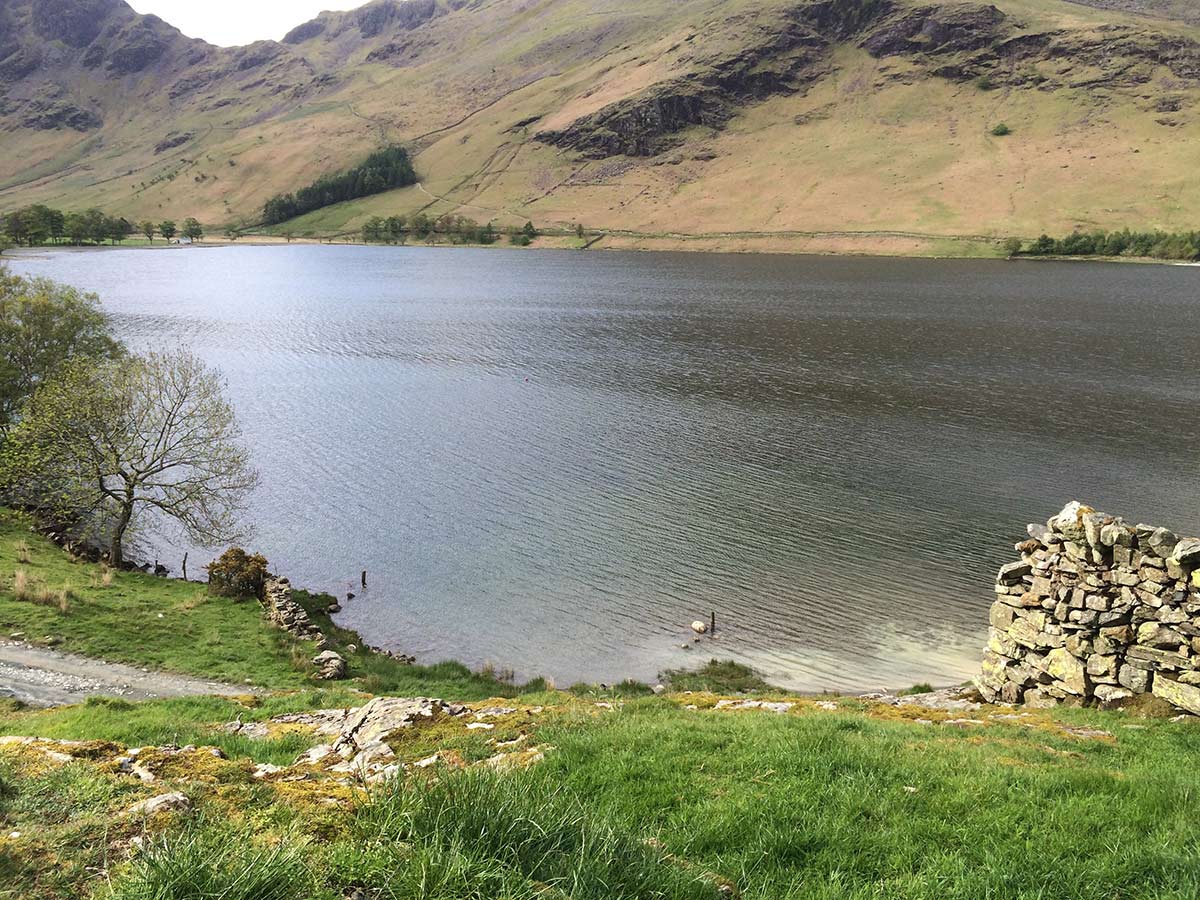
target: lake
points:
(555, 461)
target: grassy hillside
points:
(603, 794)
(792, 123)
(666, 797)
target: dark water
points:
(555, 461)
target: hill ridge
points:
(709, 117)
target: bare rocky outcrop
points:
(937, 29)
(361, 746)
(1096, 610)
(783, 53)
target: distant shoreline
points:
(606, 242)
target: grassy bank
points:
(647, 799)
(176, 626)
(629, 795)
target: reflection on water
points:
(556, 461)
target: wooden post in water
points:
(712, 628)
(364, 579)
(185, 556)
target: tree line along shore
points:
(390, 167)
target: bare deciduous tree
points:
(145, 431)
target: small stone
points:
(1069, 522)
(1013, 572)
(330, 666)
(1163, 542)
(1098, 602)
(1183, 696)
(1078, 644)
(1157, 576)
(1039, 533)
(1024, 600)
(1012, 693)
(1102, 666)
(1172, 615)
(1001, 615)
(1117, 534)
(1187, 552)
(1067, 669)
(1039, 699)
(1110, 695)
(142, 773)
(174, 802)
(1150, 657)
(1152, 634)
(1125, 577)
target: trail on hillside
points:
(42, 677)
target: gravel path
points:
(43, 677)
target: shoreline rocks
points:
(1095, 611)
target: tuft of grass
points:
(32, 590)
(24, 554)
(719, 677)
(513, 836)
(922, 688)
(1001, 130)
(20, 586)
(628, 688)
(217, 863)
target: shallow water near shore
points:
(555, 461)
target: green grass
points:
(717, 676)
(181, 721)
(177, 626)
(820, 806)
(654, 800)
(139, 619)
(219, 863)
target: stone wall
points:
(284, 612)
(1096, 611)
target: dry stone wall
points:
(1096, 610)
(284, 612)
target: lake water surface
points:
(555, 461)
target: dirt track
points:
(43, 677)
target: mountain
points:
(789, 124)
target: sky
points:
(234, 22)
